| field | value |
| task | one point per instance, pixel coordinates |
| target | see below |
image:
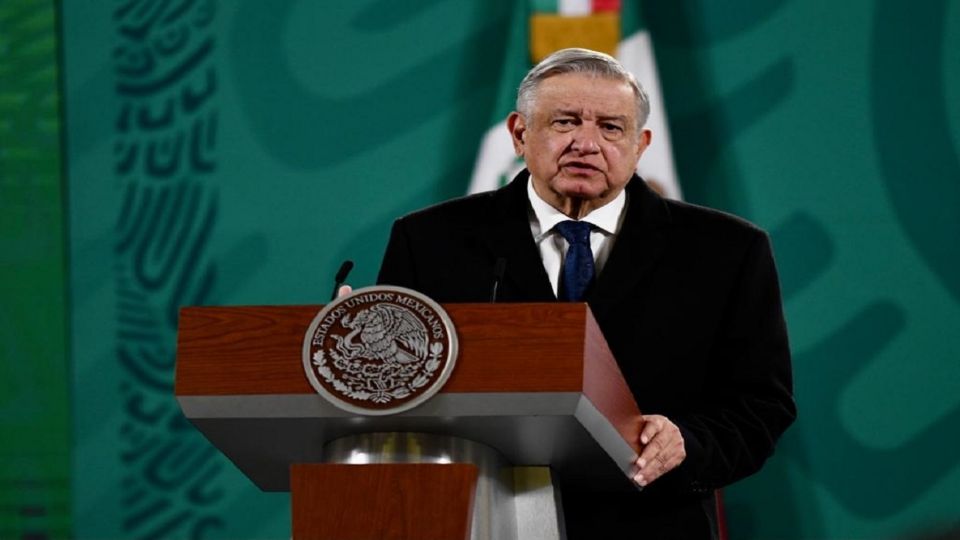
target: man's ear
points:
(517, 126)
(645, 137)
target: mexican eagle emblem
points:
(379, 350)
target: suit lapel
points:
(638, 246)
(640, 243)
(509, 237)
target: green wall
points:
(34, 404)
(836, 126)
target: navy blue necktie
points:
(578, 265)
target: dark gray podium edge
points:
(263, 434)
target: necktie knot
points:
(574, 232)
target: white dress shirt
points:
(605, 222)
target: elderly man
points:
(687, 297)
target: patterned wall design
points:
(165, 159)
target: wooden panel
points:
(503, 348)
(518, 347)
(242, 350)
(397, 501)
(604, 385)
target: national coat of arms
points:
(379, 350)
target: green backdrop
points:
(236, 152)
(34, 413)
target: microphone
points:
(341, 276)
(498, 270)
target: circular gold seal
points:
(379, 350)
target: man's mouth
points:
(579, 167)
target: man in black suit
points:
(687, 297)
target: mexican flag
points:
(541, 27)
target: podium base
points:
(388, 502)
(506, 502)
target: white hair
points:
(580, 61)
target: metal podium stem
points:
(495, 504)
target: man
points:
(687, 297)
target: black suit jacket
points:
(689, 303)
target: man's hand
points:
(663, 449)
(344, 290)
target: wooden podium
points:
(535, 385)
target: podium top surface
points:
(503, 348)
(536, 381)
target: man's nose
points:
(586, 139)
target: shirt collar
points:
(606, 218)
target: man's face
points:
(580, 141)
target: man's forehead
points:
(574, 91)
(586, 81)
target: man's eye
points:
(563, 122)
(612, 128)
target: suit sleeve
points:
(397, 267)
(749, 403)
